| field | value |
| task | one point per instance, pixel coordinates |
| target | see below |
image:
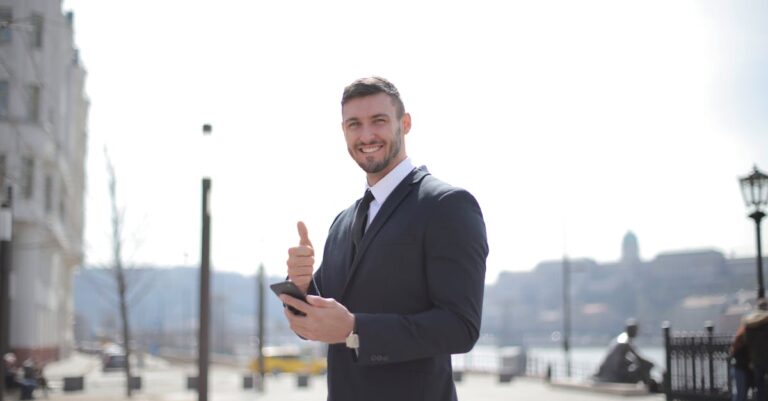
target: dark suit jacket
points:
(415, 287)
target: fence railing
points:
(523, 364)
(557, 370)
(698, 366)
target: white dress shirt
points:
(385, 186)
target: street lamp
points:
(6, 235)
(754, 188)
(567, 315)
(203, 352)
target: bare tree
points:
(117, 242)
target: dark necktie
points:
(361, 218)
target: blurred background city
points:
(607, 145)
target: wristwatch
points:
(353, 341)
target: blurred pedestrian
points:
(756, 335)
(9, 363)
(740, 369)
(28, 379)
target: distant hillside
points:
(165, 300)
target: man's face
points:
(374, 134)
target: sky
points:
(572, 122)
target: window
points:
(48, 193)
(33, 103)
(6, 18)
(3, 100)
(27, 177)
(36, 37)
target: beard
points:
(370, 165)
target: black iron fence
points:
(698, 366)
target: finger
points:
(297, 324)
(319, 301)
(303, 251)
(302, 281)
(296, 303)
(294, 321)
(299, 271)
(303, 234)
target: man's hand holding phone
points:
(301, 260)
(323, 319)
(314, 318)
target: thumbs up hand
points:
(301, 260)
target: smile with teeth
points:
(371, 148)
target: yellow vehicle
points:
(290, 359)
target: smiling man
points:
(400, 287)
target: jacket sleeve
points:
(455, 251)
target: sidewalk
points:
(474, 387)
(162, 381)
(75, 365)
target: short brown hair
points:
(372, 86)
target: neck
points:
(373, 178)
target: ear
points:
(406, 123)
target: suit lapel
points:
(390, 205)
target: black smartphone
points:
(289, 288)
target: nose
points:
(367, 134)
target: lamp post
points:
(205, 297)
(754, 189)
(567, 315)
(261, 284)
(6, 235)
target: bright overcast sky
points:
(572, 122)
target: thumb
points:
(319, 301)
(303, 234)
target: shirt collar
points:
(386, 185)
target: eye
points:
(353, 124)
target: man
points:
(741, 372)
(756, 338)
(400, 287)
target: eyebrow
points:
(379, 115)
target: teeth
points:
(370, 149)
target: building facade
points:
(43, 112)
(686, 288)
